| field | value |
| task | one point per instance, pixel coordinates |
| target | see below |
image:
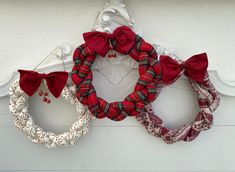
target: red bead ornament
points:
(45, 94)
(195, 69)
(48, 101)
(40, 93)
(112, 55)
(45, 99)
(123, 40)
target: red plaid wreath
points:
(195, 69)
(124, 41)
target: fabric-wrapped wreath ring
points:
(195, 69)
(123, 40)
(58, 85)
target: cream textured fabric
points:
(19, 109)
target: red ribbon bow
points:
(122, 40)
(194, 68)
(31, 80)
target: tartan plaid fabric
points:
(150, 74)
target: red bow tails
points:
(195, 68)
(121, 40)
(31, 80)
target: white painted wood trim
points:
(106, 22)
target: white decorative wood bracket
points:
(113, 15)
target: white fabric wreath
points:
(19, 109)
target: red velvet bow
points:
(194, 68)
(31, 80)
(122, 39)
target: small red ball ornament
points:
(45, 94)
(45, 99)
(40, 93)
(48, 101)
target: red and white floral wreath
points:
(195, 69)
